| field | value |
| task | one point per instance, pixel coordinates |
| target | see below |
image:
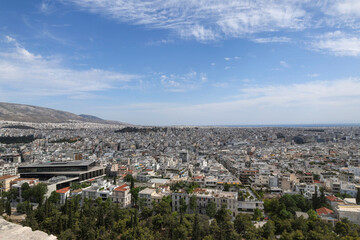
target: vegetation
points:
(104, 220)
(187, 186)
(128, 178)
(343, 195)
(66, 140)
(76, 185)
(22, 139)
(19, 127)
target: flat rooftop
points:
(349, 208)
(66, 172)
(60, 164)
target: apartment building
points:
(122, 196)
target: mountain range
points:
(28, 113)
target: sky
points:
(185, 62)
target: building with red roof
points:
(5, 182)
(64, 193)
(334, 201)
(122, 196)
(324, 211)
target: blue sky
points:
(188, 62)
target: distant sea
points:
(295, 125)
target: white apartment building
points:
(150, 195)
(122, 196)
(204, 196)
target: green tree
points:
(223, 218)
(342, 228)
(128, 178)
(21, 207)
(38, 193)
(300, 224)
(183, 208)
(8, 208)
(257, 214)
(54, 197)
(2, 206)
(269, 230)
(163, 207)
(298, 235)
(322, 199)
(132, 183)
(180, 232)
(146, 213)
(67, 235)
(242, 223)
(312, 214)
(196, 228)
(193, 203)
(26, 191)
(134, 195)
(315, 200)
(211, 209)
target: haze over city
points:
(184, 62)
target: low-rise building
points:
(351, 212)
(5, 182)
(64, 194)
(122, 196)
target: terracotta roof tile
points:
(122, 188)
(63, 190)
(6, 177)
(324, 211)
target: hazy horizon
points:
(185, 62)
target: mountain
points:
(90, 117)
(28, 113)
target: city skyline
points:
(185, 62)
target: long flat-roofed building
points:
(82, 170)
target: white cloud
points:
(26, 73)
(182, 83)
(313, 75)
(338, 43)
(284, 64)
(348, 9)
(312, 102)
(220, 85)
(231, 58)
(203, 20)
(272, 40)
(159, 42)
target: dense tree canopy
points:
(105, 220)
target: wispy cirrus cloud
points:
(23, 72)
(338, 43)
(345, 12)
(284, 64)
(203, 20)
(182, 83)
(211, 20)
(272, 40)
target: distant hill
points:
(90, 117)
(28, 113)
